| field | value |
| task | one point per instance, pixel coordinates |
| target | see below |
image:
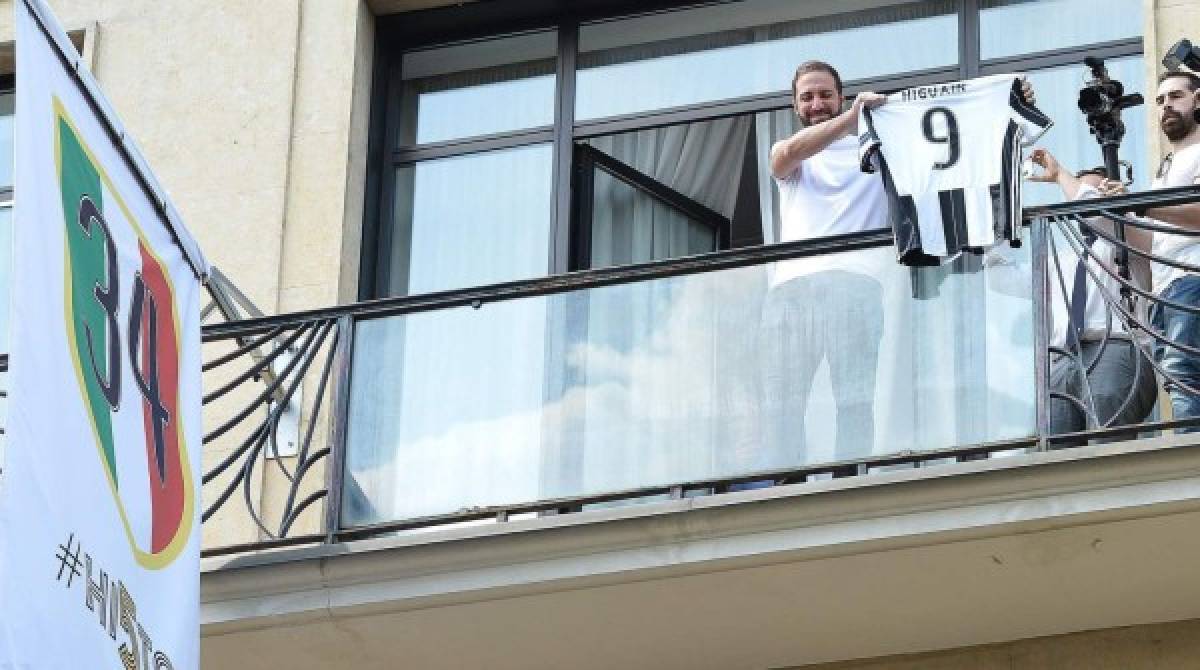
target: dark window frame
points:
(401, 33)
(587, 160)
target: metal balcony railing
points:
(563, 393)
(1130, 315)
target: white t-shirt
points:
(950, 163)
(1096, 311)
(828, 195)
(1182, 171)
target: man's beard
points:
(809, 121)
(1182, 127)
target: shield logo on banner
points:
(122, 323)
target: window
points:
(1015, 27)
(563, 142)
(478, 88)
(468, 220)
(742, 49)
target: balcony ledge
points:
(969, 553)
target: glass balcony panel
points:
(478, 88)
(687, 378)
(470, 220)
(1057, 91)
(1012, 27)
(732, 50)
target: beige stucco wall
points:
(247, 111)
(1168, 646)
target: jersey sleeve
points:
(1032, 121)
(868, 141)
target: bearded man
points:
(1177, 106)
(825, 307)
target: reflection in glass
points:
(747, 48)
(470, 220)
(477, 88)
(1057, 92)
(662, 381)
(1011, 27)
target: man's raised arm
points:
(788, 154)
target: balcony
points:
(626, 466)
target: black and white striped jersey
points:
(950, 155)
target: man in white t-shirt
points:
(1177, 102)
(825, 307)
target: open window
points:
(625, 215)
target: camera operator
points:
(1083, 327)
(1177, 104)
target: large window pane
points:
(1011, 27)
(686, 378)
(478, 88)
(746, 48)
(1057, 92)
(470, 220)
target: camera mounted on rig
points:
(1182, 53)
(1101, 99)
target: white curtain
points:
(702, 161)
(446, 406)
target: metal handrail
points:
(334, 378)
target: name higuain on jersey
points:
(930, 92)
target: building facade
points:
(517, 253)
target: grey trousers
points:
(1111, 382)
(836, 316)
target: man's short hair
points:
(817, 66)
(1192, 79)
(1099, 171)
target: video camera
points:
(1101, 99)
(1182, 53)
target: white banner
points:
(100, 531)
